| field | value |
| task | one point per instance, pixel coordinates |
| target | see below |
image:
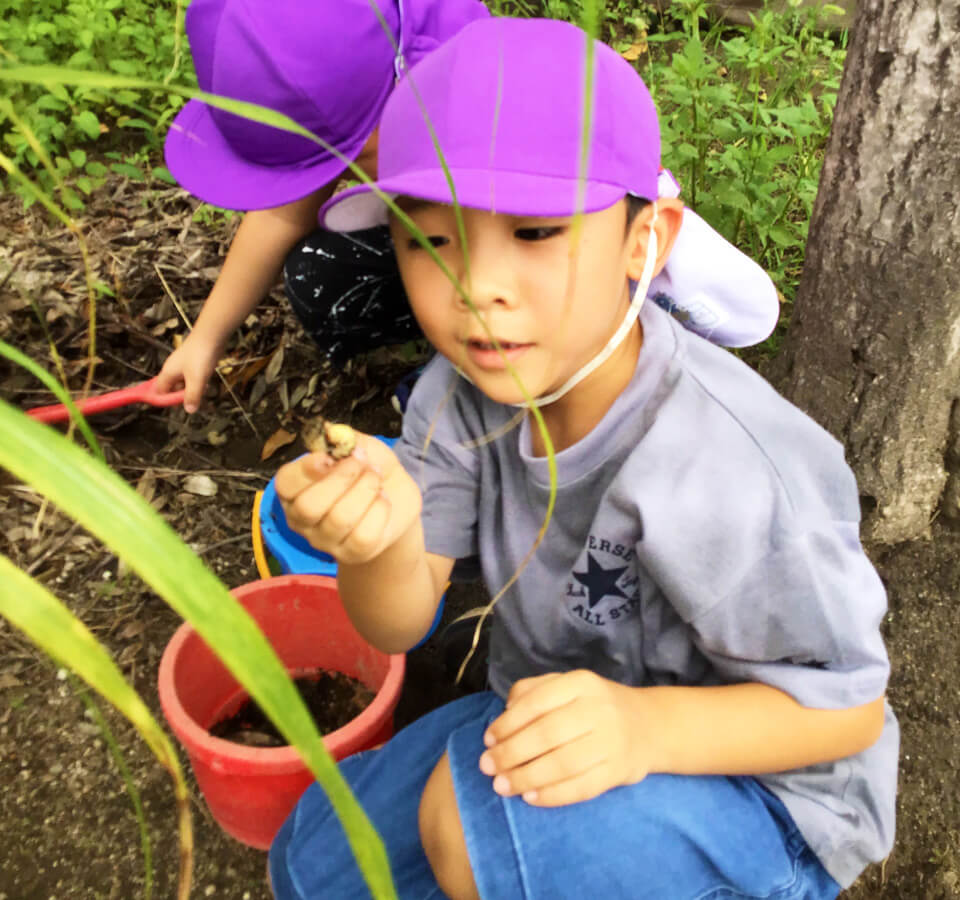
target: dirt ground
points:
(67, 830)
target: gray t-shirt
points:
(705, 532)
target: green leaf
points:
(733, 197)
(78, 158)
(110, 509)
(142, 124)
(124, 67)
(129, 170)
(784, 237)
(50, 102)
(163, 174)
(64, 638)
(88, 123)
(781, 153)
(81, 59)
(686, 151)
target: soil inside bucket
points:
(332, 698)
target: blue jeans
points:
(669, 837)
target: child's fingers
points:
(312, 503)
(583, 786)
(366, 539)
(565, 761)
(349, 509)
(295, 477)
(376, 453)
(193, 391)
(528, 702)
(168, 381)
(525, 685)
(554, 729)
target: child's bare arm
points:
(251, 268)
(364, 509)
(753, 729)
(568, 737)
(392, 600)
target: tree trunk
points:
(873, 348)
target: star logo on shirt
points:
(600, 582)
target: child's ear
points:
(667, 226)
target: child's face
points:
(552, 299)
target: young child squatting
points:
(688, 675)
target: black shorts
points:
(346, 291)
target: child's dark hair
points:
(634, 206)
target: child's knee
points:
(442, 835)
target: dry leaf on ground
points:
(273, 367)
(280, 438)
(201, 485)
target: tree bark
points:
(873, 347)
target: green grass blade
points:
(54, 386)
(457, 211)
(591, 25)
(110, 740)
(30, 607)
(109, 508)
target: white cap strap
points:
(629, 321)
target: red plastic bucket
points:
(251, 790)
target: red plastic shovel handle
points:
(138, 393)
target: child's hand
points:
(353, 508)
(567, 737)
(190, 367)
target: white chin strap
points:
(629, 321)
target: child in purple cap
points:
(687, 675)
(345, 289)
(330, 66)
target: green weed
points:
(745, 113)
(209, 216)
(128, 37)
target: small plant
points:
(745, 115)
(134, 38)
(209, 216)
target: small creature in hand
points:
(321, 436)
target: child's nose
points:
(491, 282)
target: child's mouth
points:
(486, 355)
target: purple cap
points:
(505, 98)
(328, 65)
(426, 24)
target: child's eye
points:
(435, 240)
(537, 234)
